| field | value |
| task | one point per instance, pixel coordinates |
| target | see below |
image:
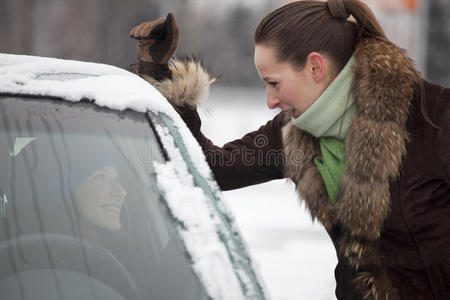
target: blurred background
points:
(295, 256)
(221, 32)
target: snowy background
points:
(295, 256)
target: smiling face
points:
(287, 87)
(100, 199)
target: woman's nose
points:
(272, 102)
(117, 189)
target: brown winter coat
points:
(391, 225)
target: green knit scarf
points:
(331, 164)
(328, 119)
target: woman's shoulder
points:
(436, 89)
(438, 104)
(437, 101)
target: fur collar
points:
(375, 145)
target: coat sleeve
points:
(255, 158)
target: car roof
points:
(71, 80)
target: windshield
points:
(80, 211)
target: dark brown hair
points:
(311, 27)
(299, 28)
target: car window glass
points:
(78, 193)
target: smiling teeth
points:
(111, 207)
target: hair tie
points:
(337, 9)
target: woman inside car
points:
(363, 137)
(100, 198)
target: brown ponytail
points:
(371, 28)
(333, 28)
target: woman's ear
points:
(316, 66)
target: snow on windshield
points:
(189, 206)
(201, 224)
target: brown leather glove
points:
(158, 40)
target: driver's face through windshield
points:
(100, 199)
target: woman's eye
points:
(273, 84)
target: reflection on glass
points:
(100, 199)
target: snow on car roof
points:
(75, 80)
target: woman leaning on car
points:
(364, 138)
